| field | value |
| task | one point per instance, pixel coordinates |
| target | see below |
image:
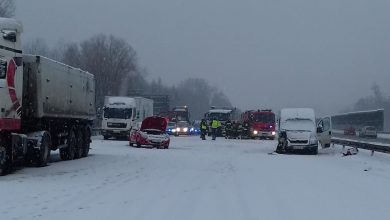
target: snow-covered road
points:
(194, 179)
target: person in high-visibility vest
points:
(215, 125)
(203, 129)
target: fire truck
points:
(262, 123)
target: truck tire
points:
(42, 156)
(87, 141)
(68, 152)
(79, 144)
(5, 152)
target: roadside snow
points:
(194, 179)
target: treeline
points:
(114, 63)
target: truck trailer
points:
(121, 114)
(44, 105)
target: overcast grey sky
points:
(262, 53)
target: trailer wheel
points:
(5, 152)
(87, 141)
(42, 155)
(79, 144)
(68, 152)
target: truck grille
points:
(116, 125)
(298, 141)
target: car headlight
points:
(185, 129)
(192, 129)
(313, 139)
(173, 130)
(273, 133)
(255, 132)
(178, 129)
(143, 134)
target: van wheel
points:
(314, 151)
(79, 144)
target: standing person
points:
(228, 129)
(236, 129)
(245, 130)
(203, 129)
(215, 125)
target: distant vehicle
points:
(222, 115)
(121, 114)
(171, 127)
(368, 131)
(297, 130)
(181, 113)
(152, 133)
(195, 128)
(350, 131)
(262, 123)
(182, 128)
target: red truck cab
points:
(262, 123)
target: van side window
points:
(326, 124)
(3, 68)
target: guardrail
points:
(372, 146)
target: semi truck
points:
(45, 105)
(121, 114)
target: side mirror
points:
(319, 130)
(9, 35)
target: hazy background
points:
(261, 53)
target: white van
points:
(297, 130)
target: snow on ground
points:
(223, 179)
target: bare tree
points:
(72, 55)
(37, 46)
(113, 62)
(7, 8)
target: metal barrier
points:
(372, 146)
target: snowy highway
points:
(194, 179)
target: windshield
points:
(120, 113)
(264, 118)
(171, 124)
(219, 116)
(182, 116)
(182, 124)
(298, 125)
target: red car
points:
(152, 133)
(350, 131)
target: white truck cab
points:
(121, 114)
